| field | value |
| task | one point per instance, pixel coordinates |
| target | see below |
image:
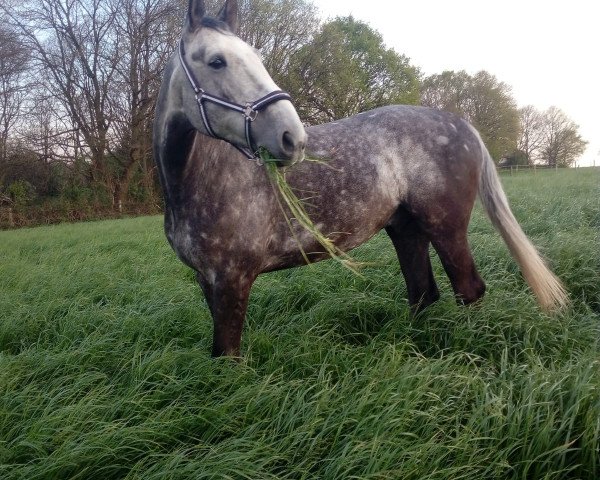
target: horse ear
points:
(229, 14)
(196, 13)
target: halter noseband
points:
(249, 111)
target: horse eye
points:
(217, 63)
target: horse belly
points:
(347, 202)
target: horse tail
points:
(548, 289)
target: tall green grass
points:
(105, 370)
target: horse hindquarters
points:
(438, 214)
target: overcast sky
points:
(547, 51)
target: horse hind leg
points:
(444, 216)
(453, 249)
(412, 249)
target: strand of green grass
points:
(285, 192)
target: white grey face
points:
(227, 67)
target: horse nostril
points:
(287, 142)
(292, 147)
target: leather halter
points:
(249, 111)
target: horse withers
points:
(412, 171)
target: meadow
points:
(105, 370)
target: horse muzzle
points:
(291, 148)
(281, 132)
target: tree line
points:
(79, 79)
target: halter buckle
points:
(249, 113)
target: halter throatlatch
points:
(249, 111)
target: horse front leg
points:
(227, 300)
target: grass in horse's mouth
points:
(284, 192)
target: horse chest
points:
(218, 230)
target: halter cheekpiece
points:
(249, 111)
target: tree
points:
(278, 28)
(495, 114)
(76, 56)
(13, 69)
(101, 63)
(147, 32)
(449, 90)
(347, 69)
(532, 133)
(562, 142)
(549, 137)
(482, 100)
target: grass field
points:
(105, 370)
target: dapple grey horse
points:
(412, 171)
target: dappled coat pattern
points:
(412, 171)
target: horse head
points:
(226, 91)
